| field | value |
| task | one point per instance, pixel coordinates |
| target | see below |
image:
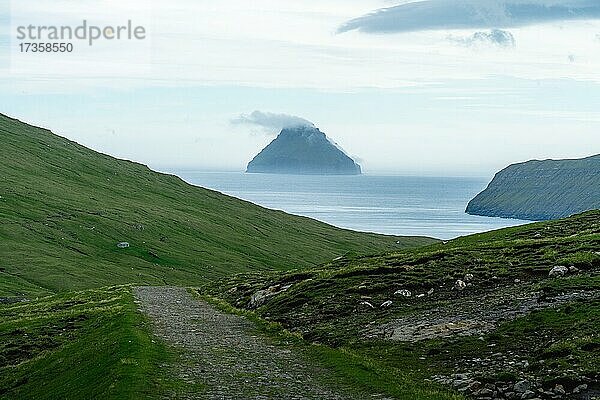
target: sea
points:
(395, 205)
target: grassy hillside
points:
(64, 208)
(483, 306)
(91, 344)
(541, 190)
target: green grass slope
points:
(91, 344)
(64, 208)
(511, 320)
(541, 190)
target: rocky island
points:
(303, 150)
(541, 190)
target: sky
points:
(431, 87)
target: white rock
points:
(559, 270)
(460, 285)
(386, 304)
(469, 277)
(261, 296)
(580, 388)
(403, 292)
(366, 303)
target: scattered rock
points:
(528, 394)
(580, 388)
(403, 292)
(559, 389)
(559, 270)
(12, 300)
(460, 285)
(469, 277)
(522, 386)
(261, 296)
(366, 303)
(123, 245)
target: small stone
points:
(517, 281)
(522, 386)
(559, 270)
(469, 277)
(528, 395)
(123, 245)
(458, 384)
(474, 386)
(403, 292)
(573, 269)
(366, 303)
(460, 285)
(559, 389)
(386, 304)
(484, 393)
(580, 388)
(430, 292)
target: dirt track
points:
(224, 357)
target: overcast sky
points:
(437, 87)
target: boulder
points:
(559, 270)
(522, 386)
(528, 394)
(261, 296)
(580, 388)
(403, 292)
(559, 389)
(366, 303)
(460, 285)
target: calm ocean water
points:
(384, 204)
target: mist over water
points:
(383, 204)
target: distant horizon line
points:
(382, 173)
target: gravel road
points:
(223, 356)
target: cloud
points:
(270, 121)
(471, 14)
(495, 38)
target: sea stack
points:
(303, 150)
